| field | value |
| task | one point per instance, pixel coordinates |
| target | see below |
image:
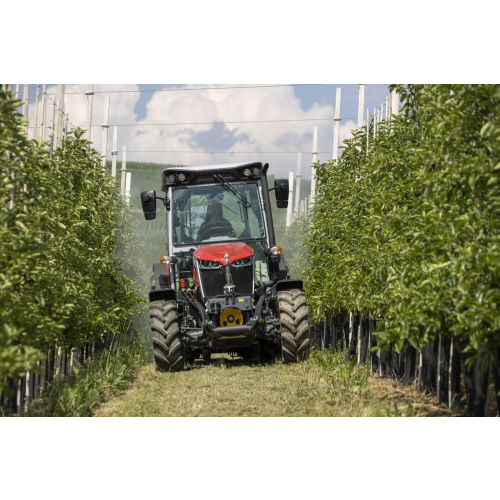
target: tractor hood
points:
(216, 253)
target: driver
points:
(215, 224)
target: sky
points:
(141, 112)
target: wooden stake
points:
(336, 125)
(105, 126)
(90, 100)
(114, 152)
(361, 104)
(289, 211)
(297, 184)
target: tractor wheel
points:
(295, 335)
(167, 344)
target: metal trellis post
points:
(43, 125)
(367, 130)
(124, 170)
(25, 107)
(114, 151)
(361, 104)
(35, 124)
(90, 100)
(105, 126)
(314, 160)
(127, 187)
(394, 103)
(336, 125)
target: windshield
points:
(214, 213)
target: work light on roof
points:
(256, 171)
(247, 172)
(171, 178)
(181, 177)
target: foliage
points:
(60, 278)
(412, 229)
(99, 379)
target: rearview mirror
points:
(148, 200)
(282, 190)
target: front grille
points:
(213, 280)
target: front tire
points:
(167, 344)
(295, 335)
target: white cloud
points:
(193, 141)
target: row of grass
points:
(99, 379)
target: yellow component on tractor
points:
(231, 317)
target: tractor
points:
(223, 286)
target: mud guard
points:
(163, 294)
(283, 285)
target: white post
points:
(289, 211)
(90, 100)
(297, 184)
(361, 104)
(302, 208)
(394, 103)
(60, 104)
(336, 126)
(367, 130)
(314, 160)
(53, 134)
(35, 124)
(386, 108)
(114, 151)
(375, 123)
(127, 187)
(16, 93)
(124, 170)
(25, 107)
(389, 112)
(105, 126)
(44, 114)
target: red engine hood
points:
(215, 253)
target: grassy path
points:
(325, 385)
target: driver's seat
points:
(214, 222)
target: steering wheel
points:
(214, 231)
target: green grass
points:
(325, 385)
(96, 381)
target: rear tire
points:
(167, 343)
(295, 335)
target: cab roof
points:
(203, 174)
